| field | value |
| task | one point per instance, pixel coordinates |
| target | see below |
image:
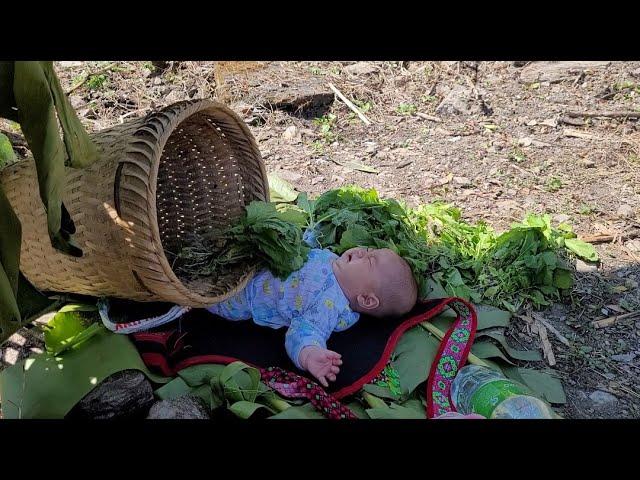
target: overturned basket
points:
(189, 168)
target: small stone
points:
(76, 101)
(291, 134)
(242, 108)
(337, 178)
(317, 180)
(584, 267)
(636, 73)
(72, 64)
(561, 218)
(370, 147)
(361, 68)
(601, 398)
(462, 181)
(182, 408)
(624, 358)
(460, 100)
(633, 245)
(157, 81)
(173, 96)
(588, 163)
(626, 211)
(630, 284)
(289, 176)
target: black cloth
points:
(200, 337)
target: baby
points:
(327, 294)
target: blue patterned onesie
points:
(310, 302)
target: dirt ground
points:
(498, 139)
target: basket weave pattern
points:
(189, 168)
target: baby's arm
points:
(306, 345)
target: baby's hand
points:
(321, 363)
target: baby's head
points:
(377, 282)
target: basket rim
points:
(182, 111)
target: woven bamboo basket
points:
(189, 168)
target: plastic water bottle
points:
(486, 392)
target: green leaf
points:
(33, 96)
(45, 386)
(489, 317)
(79, 307)
(562, 278)
(7, 155)
(67, 329)
(413, 357)
(582, 249)
(293, 214)
(395, 412)
(280, 190)
(304, 412)
(174, 389)
(205, 374)
(305, 204)
(488, 350)
(244, 409)
(543, 385)
(357, 409)
(524, 355)
(10, 238)
(240, 382)
(378, 391)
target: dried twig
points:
(605, 322)
(552, 329)
(428, 117)
(609, 238)
(349, 104)
(604, 114)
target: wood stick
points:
(604, 114)
(349, 104)
(609, 238)
(552, 329)
(429, 117)
(605, 322)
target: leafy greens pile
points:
(448, 255)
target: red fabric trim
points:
(158, 361)
(445, 339)
(157, 337)
(388, 350)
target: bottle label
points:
(490, 395)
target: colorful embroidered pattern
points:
(291, 385)
(453, 355)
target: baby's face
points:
(365, 267)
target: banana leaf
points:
(7, 155)
(81, 151)
(46, 386)
(10, 237)
(37, 117)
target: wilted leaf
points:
(244, 409)
(280, 190)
